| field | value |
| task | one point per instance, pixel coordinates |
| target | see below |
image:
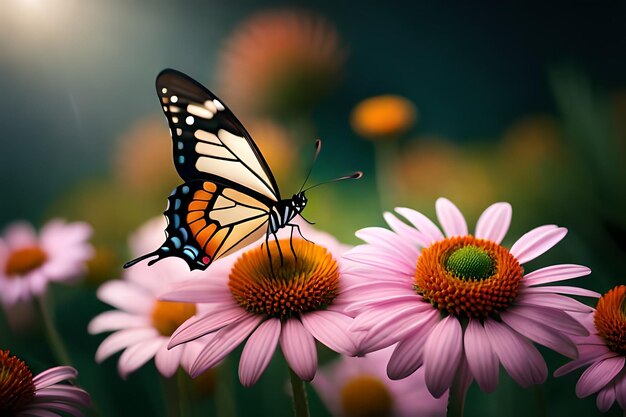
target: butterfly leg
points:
(280, 252)
(269, 254)
(299, 231)
(295, 257)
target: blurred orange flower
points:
(383, 117)
(430, 167)
(278, 147)
(143, 161)
(280, 63)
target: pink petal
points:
(553, 301)
(555, 273)
(367, 255)
(198, 326)
(380, 237)
(442, 355)
(562, 289)
(116, 320)
(299, 349)
(377, 317)
(20, 234)
(137, 355)
(56, 406)
(403, 299)
(408, 354)
(539, 333)
(196, 291)
(258, 352)
(536, 242)
(494, 222)
(168, 361)
(122, 339)
(481, 359)
(331, 329)
(54, 375)
(584, 360)
(225, 340)
(606, 398)
(422, 223)
(620, 390)
(127, 296)
(598, 375)
(404, 230)
(63, 393)
(551, 317)
(450, 218)
(379, 337)
(518, 356)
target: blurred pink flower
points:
(353, 387)
(22, 395)
(603, 351)
(142, 323)
(298, 303)
(28, 262)
(418, 285)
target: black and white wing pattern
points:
(208, 141)
(229, 190)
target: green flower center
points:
(470, 262)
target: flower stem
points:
(456, 397)
(225, 391)
(300, 404)
(170, 388)
(385, 155)
(184, 400)
(540, 401)
(52, 335)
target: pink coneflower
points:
(142, 323)
(460, 301)
(22, 395)
(296, 304)
(29, 262)
(604, 351)
(360, 387)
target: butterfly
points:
(230, 198)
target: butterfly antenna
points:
(318, 148)
(353, 176)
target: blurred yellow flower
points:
(430, 167)
(533, 140)
(143, 160)
(383, 117)
(103, 266)
(280, 63)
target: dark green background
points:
(78, 74)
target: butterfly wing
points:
(209, 142)
(208, 220)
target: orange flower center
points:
(24, 260)
(466, 276)
(167, 316)
(366, 396)
(16, 384)
(610, 319)
(307, 282)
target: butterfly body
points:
(229, 198)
